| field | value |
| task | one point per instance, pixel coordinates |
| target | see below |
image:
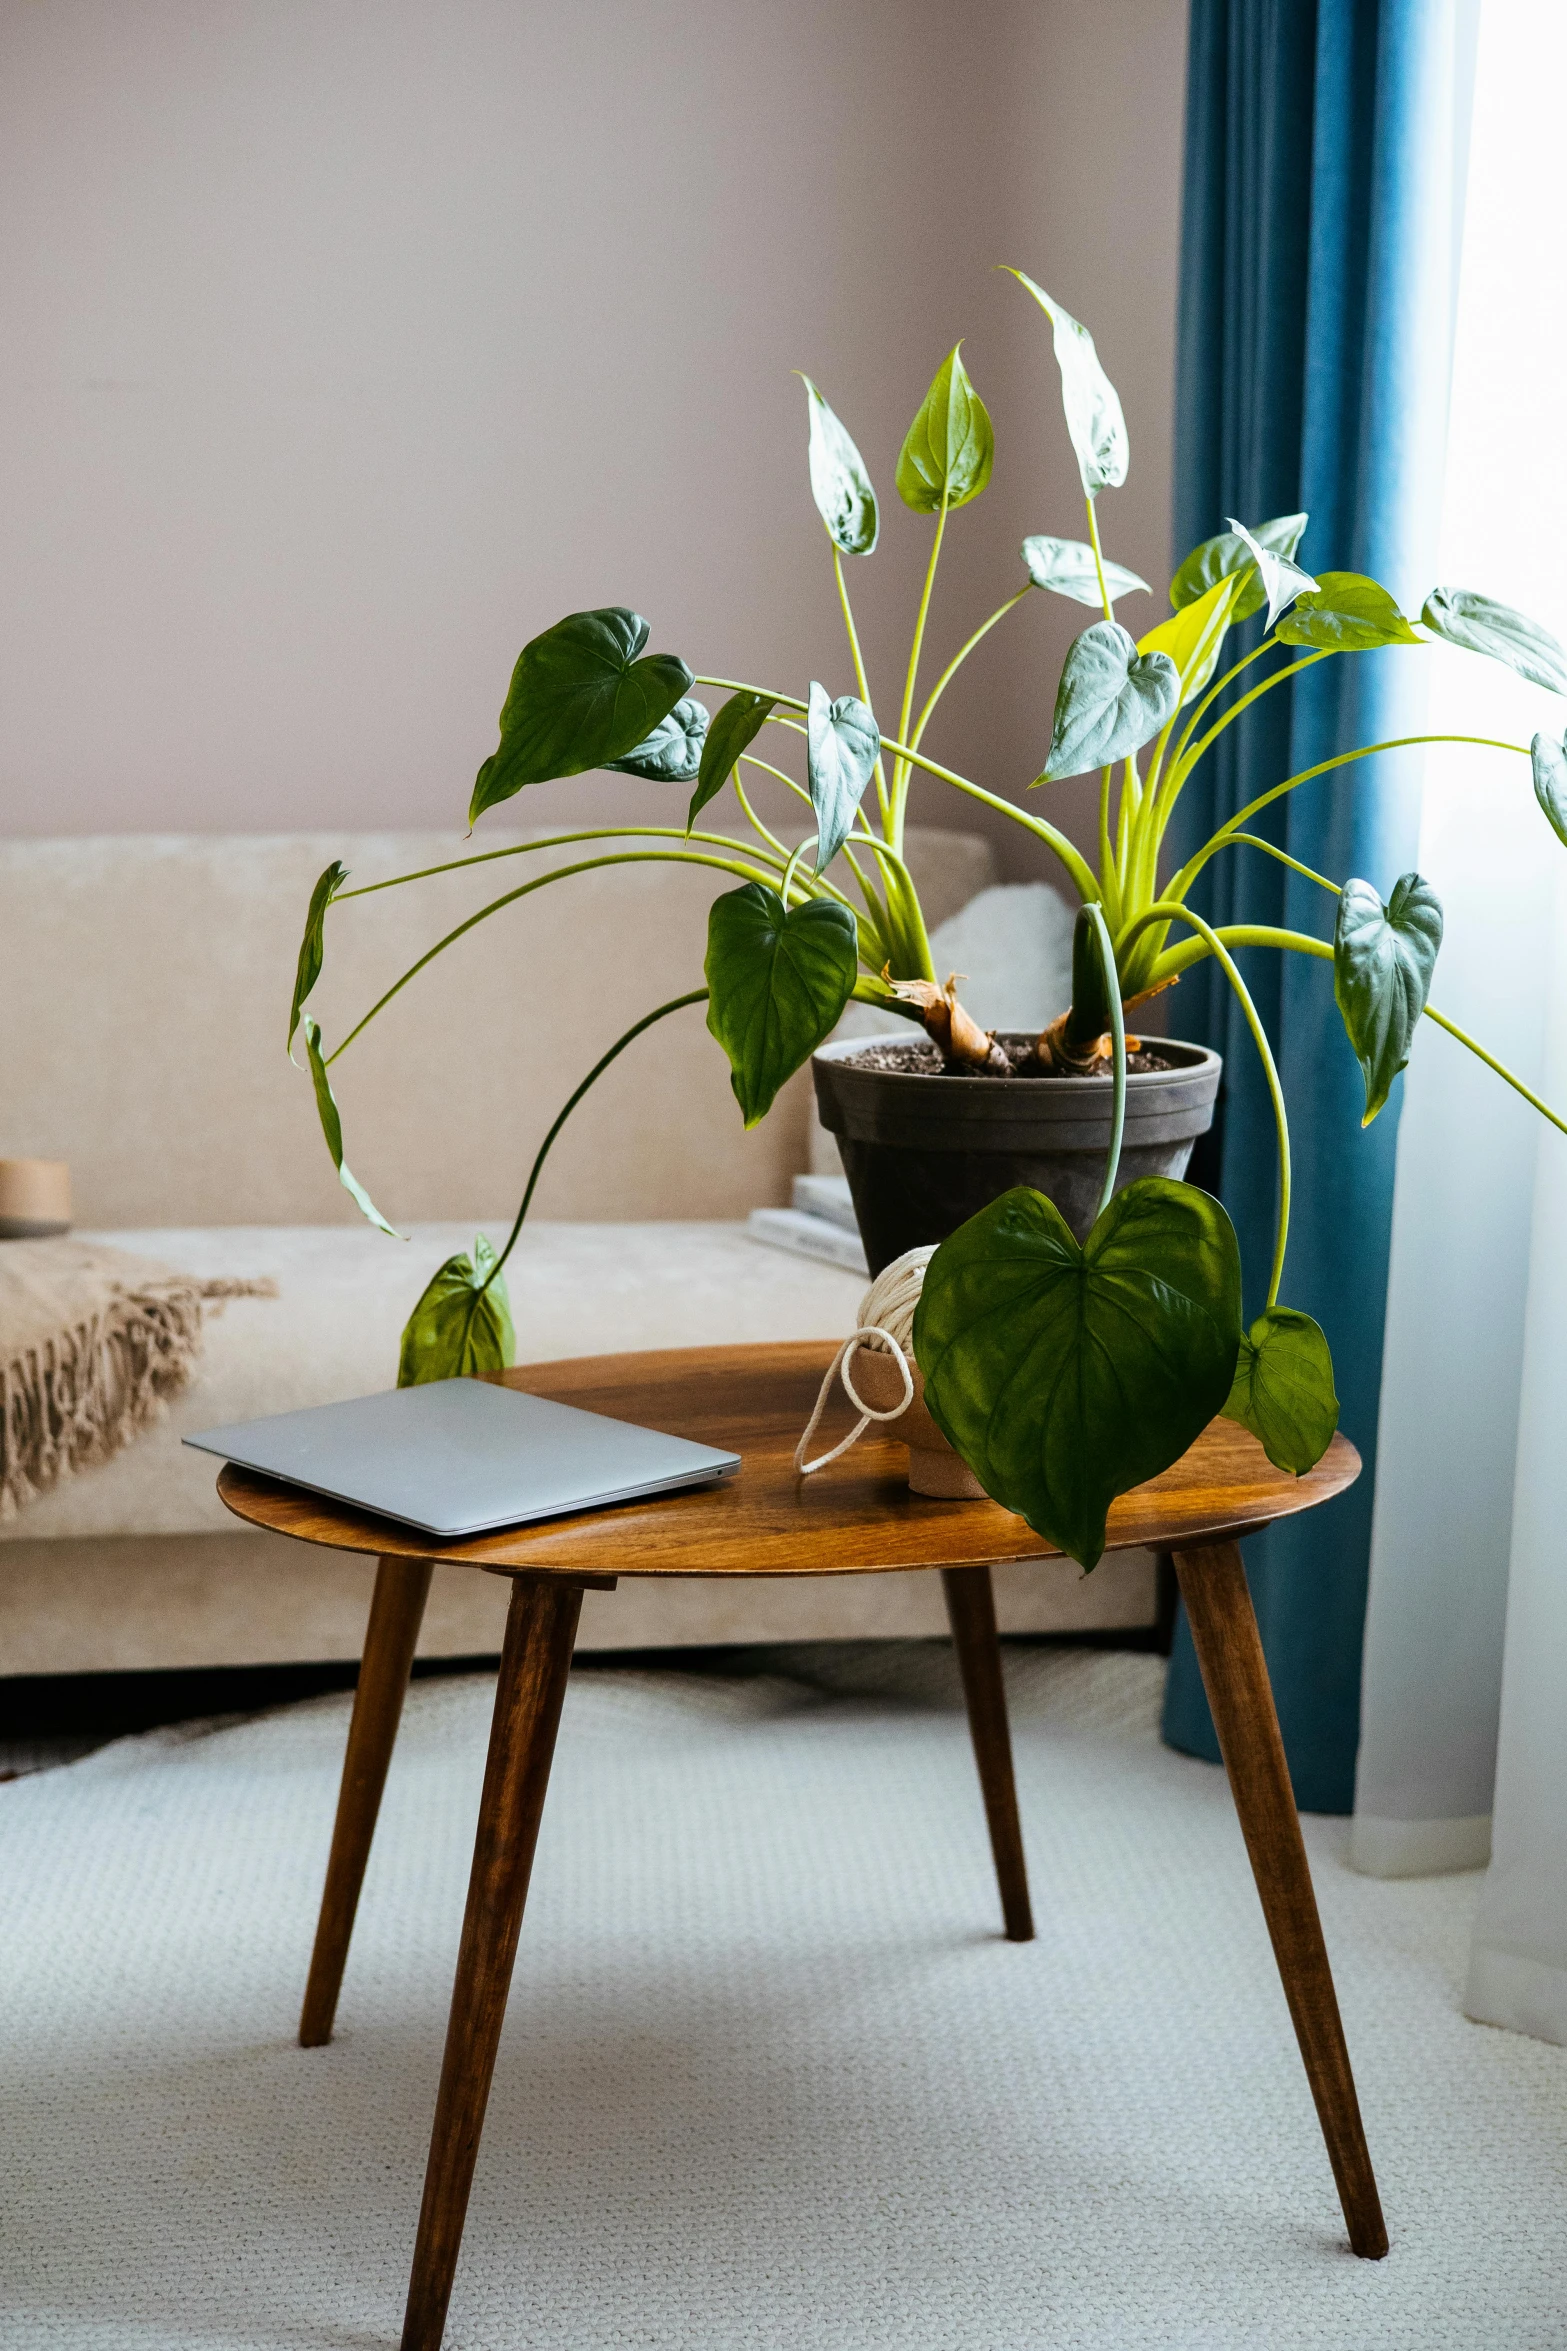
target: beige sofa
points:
(146, 981)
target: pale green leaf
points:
(1093, 411)
(672, 753)
(1548, 760)
(840, 484)
(1215, 558)
(1193, 636)
(1282, 581)
(1345, 613)
(1066, 566)
(1111, 700)
(950, 447)
(843, 742)
(1481, 625)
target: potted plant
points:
(941, 1123)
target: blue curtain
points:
(1313, 372)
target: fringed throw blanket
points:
(93, 1342)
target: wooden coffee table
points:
(857, 1516)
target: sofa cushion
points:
(344, 1294)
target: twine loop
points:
(884, 1322)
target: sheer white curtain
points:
(1467, 1625)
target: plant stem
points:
(749, 812)
(1076, 865)
(560, 874)
(1109, 878)
(1183, 881)
(1252, 841)
(859, 667)
(1167, 911)
(738, 686)
(1299, 943)
(1269, 645)
(675, 1004)
(1177, 960)
(1082, 876)
(749, 759)
(1099, 561)
(958, 659)
(611, 832)
(900, 771)
(1182, 765)
(1501, 1070)
(1118, 1063)
(875, 909)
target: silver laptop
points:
(460, 1457)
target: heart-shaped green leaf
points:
(840, 483)
(1216, 558)
(1066, 566)
(1065, 1375)
(950, 446)
(454, 1332)
(1383, 958)
(672, 753)
(580, 697)
(1481, 625)
(842, 741)
(1111, 700)
(332, 1128)
(1549, 762)
(777, 983)
(312, 947)
(1345, 613)
(1193, 636)
(736, 727)
(1093, 411)
(1283, 1390)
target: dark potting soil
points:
(920, 1059)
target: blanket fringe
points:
(82, 1396)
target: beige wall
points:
(346, 343)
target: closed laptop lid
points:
(459, 1457)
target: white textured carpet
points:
(770, 2077)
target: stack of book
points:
(820, 1224)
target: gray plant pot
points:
(924, 1154)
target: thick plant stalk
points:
(1118, 1057)
(956, 1035)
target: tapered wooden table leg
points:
(540, 1629)
(971, 1611)
(1235, 1676)
(396, 1611)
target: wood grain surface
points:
(856, 1517)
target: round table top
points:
(854, 1517)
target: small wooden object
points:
(35, 1199)
(862, 1516)
(934, 1468)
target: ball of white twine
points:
(885, 1322)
